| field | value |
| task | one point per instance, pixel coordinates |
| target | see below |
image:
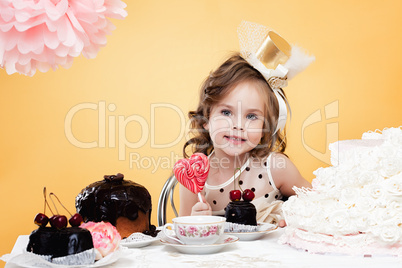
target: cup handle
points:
(169, 236)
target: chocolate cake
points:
(50, 241)
(125, 204)
(241, 212)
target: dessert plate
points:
(224, 241)
(138, 240)
(28, 259)
(262, 229)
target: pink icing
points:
(193, 172)
(105, 237)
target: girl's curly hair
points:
(215, 87)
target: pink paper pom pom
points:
(43, 34)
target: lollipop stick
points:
(200, 197)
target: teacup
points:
(196, 230)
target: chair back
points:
(166, 194)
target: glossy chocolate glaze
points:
(111, 198)
(59, 243)
(241, 212)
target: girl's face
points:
(236, 122)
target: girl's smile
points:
(234, 139)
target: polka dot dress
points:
(255, 176)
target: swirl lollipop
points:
(193, 172)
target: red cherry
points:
(41, 220)
(248, 195)
(235, 195)
(52, 220)
(58, 221)
(76, 220)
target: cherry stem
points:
(44, 194)
(234, 175)
(46, 203)
(52, 194)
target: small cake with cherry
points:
(241, 214)
(58, 243)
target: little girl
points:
(237, 125)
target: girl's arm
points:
(286, 175)
(190, 205)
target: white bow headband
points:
(274, 58)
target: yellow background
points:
(159, 55)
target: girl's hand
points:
(201, 208)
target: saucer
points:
(262, 229)
(225, 240)
(138, 240)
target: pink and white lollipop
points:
(192, 172)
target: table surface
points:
(264, 252)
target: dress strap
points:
(229, 181)
(271, 180)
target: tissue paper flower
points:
(43, 34)
(105, 237)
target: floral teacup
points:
(196, 230)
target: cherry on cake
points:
(241, 215)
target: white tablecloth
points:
(264, 252)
